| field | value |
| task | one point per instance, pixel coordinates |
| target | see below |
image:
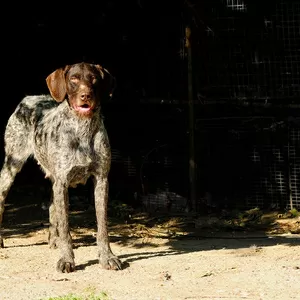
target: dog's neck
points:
(86, 124)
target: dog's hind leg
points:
(17, 151)
(12, 165)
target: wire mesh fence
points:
(250, 51)
(246, 63)
(254, 163)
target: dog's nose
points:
(85, 96)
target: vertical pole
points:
(290, 193)
(192, 163)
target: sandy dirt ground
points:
(214, 265)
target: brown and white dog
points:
(65, 133)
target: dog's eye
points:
(74, 79)
(93, 79)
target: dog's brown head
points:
(83, 85)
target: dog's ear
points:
(108, 80)
(56, 83)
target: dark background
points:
(246, 83)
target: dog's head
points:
(83, 85)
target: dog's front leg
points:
(106, 258)
(61, 202)
(53, 228)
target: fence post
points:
(192, 163)
(290, 193)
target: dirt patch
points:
(163, 258)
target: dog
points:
(65, 133)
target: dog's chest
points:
(69, 157)
(83, 161)
(71, 150)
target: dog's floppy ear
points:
(109, 80)
(56, 83)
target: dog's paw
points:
(65, 266)
(110, 263)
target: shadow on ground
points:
(26, 213)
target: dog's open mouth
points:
(85, 108)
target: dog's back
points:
(21, 124)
